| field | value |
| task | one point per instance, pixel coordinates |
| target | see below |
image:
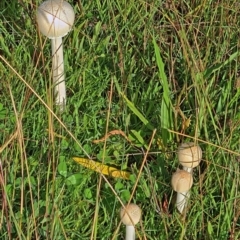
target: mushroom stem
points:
(190, 170)
(182, 199)
(130, 232)
(58, 72)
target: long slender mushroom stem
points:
(182, 199)
(58, 72)
(130, 232)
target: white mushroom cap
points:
(135, 213)
(182, 181)
(189, 155)
(55, 18)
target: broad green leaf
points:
(119, 185)
(64, 144)
(125, 195)
(88, 193)
(62, 168)
(138, 136)
(74, 179)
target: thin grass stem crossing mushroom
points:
(182, 182)
(55, 19)
(130, 216)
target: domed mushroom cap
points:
(135, 213)
(55, 18)
(189, 155)
(182, 181)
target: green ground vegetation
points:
(162, 72)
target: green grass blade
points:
(166, 114)
(137, 112)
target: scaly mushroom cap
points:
(55, 18)
(189, 155)
(181, 181)
(135, 213)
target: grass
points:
(147, 68)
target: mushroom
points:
(130, 216)
(181, 183)
(55, 19)
(189, 156)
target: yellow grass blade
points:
(102, 168)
